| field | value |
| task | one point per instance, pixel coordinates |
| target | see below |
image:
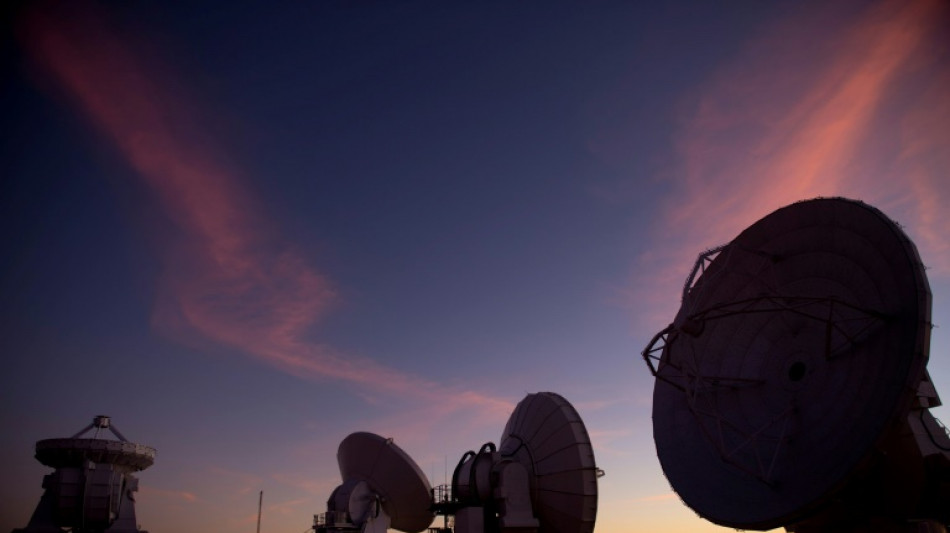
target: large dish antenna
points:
(541, 478)
(791, 388)
(91, 489)
(382, 488)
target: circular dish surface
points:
(546, 435)
(392, 474)
(793, 355)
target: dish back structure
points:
(791, 388)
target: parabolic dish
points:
(796, 350)
(61, 453)
(390, 472)
(547, 436)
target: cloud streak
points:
(229, 276)
(812, 107)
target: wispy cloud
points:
(604, 441)
(812, 107)
(229, 277)
(283, 508)
(287, 507)
(238, 483)
(925, 160)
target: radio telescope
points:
(91, 489)
(791, 388)
(382, 488)
(542, 478)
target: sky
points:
(245, 232)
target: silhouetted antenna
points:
(542, 478)
(791, 388)
(382, 488)
(91, 489)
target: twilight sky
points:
(246, 232)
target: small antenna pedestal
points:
(495, 490)
(355, 506)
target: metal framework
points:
(844, 326)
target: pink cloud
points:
(925, 159)
(238, 483)
(811, 107)
(287, 507)
(610, 442)
(284, 508)
(305, 482)
(229, 276)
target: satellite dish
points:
(382, 488)
(92, 486)
(542, 477)
(546, 434)
(791, 388)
